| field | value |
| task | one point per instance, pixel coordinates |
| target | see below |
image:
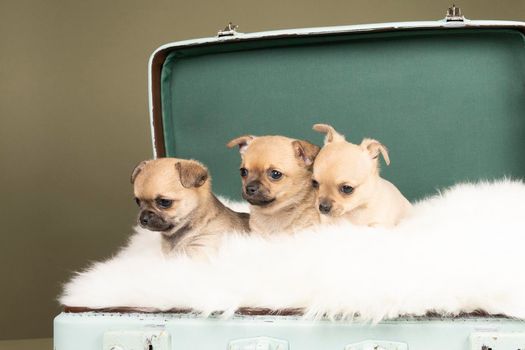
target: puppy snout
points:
(153, 222)
(325, 207)
(252, 188)
(145, 217)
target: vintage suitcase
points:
(450, 93)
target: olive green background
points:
(74, 121)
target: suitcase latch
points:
(145, 339)
(229, 30)
(258, 343)
(497, 341)
(454, 14)
(377, 345)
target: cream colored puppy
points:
(175, 199)
(276, 173)
(349, 186)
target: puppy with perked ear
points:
(175, 199)
(346, 178)
(276, 176)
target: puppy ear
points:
(331, 134)
(305, 151)
(137, 170)
(374, 147)
(191, 173)
(242, 142)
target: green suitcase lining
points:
(449, 104)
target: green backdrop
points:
(449, 104)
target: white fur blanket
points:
(463, 250)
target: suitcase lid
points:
(446, 97)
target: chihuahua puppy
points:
(346, 177)
(175, 199)
(276, 176)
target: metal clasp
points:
(229, 30)
(377, 345)
(454, 14)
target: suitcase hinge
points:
(454, 14)
(229, 30)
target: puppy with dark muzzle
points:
(276, 174)
(175, 199)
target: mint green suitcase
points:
(442, 92)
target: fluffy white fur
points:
(461, 251)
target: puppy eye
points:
(346, 189)
(275, 174)
(244, 172)
(137, 201)
(315, 184)
(163, 203)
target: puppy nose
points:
(252, 188)
(145, 217)
(325, 207)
